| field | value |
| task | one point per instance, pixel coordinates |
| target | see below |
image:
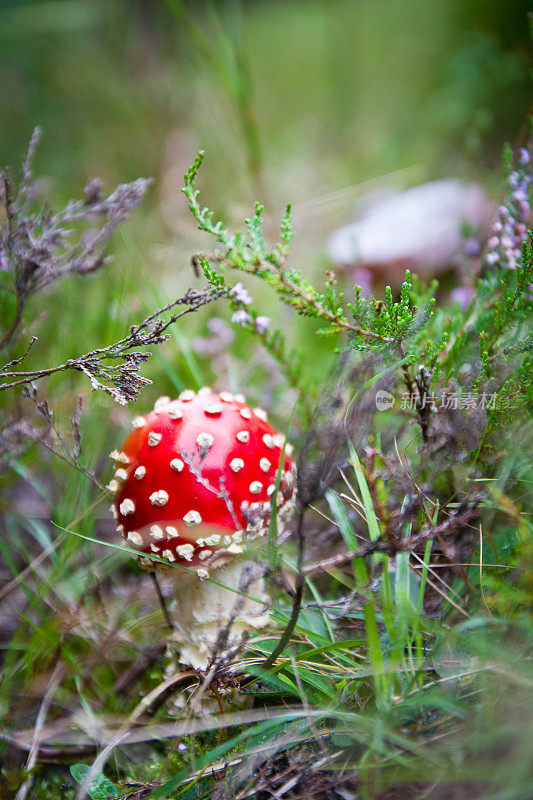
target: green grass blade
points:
(369, 610)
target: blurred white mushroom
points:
(418, 228)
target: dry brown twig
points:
(121, 381)
(55, 680)
(467, 511)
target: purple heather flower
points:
(524, 156)
(510, 231)
(261, 324)
(462, 295)
(241, 317)
(472, 247)
(520, 194)
(240, 294)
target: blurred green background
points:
(309, 101)
(335, 91)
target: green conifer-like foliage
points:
(430, 343)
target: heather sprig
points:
(248, 252)
(121, 381)
(509, 306)
(38, 246)
(496, 326)
(393, 328)
(393, 321)
(510, 230)
(410, 330)
(375, 324)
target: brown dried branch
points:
(121, 381)
(37, 247)
(460, 519)
(55, 680)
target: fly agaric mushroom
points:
(194, 485)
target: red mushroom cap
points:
(195, 477)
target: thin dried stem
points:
(55, 680)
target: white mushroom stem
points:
(202, 609)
